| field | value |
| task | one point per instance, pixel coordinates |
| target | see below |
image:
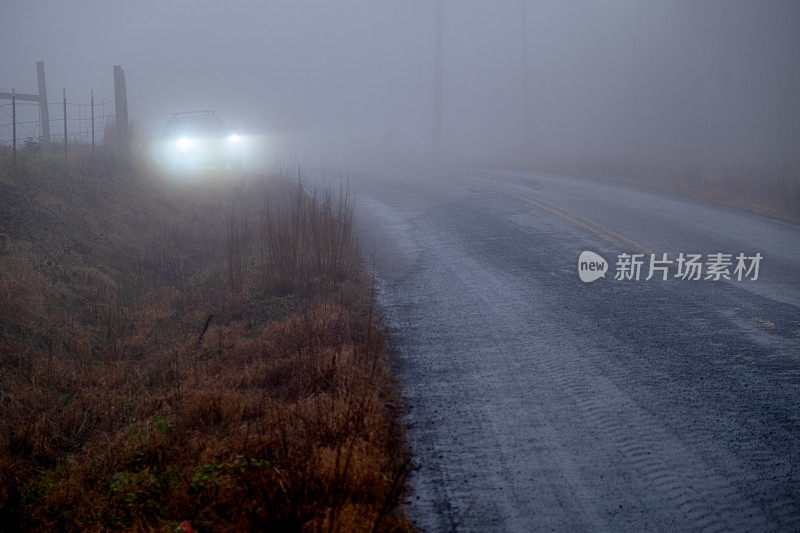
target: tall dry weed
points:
(204, 352)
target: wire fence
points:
(79, 123)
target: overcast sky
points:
(347, 80)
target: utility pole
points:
(64, 94)
(121, 108)
(526, 111)
(91, 100)
(14, 126)
(525, 82)
(437, 111)
(44, 116)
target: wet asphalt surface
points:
(539, 402)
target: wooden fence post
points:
(92, 104)
(44, 114)
(65, 122)
(14, 127)
(121, 108)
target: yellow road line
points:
(571, 219)
(626, 239)
(598, 229)
(607, 230)
(586, 223)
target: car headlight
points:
(185, 143)
(234, 138)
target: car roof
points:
(197, 122)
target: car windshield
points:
(197, 125)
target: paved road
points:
(538, 402)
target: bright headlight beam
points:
(184, 143)
(234, 138)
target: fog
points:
(351, 82)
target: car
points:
(200, 139)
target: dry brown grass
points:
(769, 188)
(201, 351)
